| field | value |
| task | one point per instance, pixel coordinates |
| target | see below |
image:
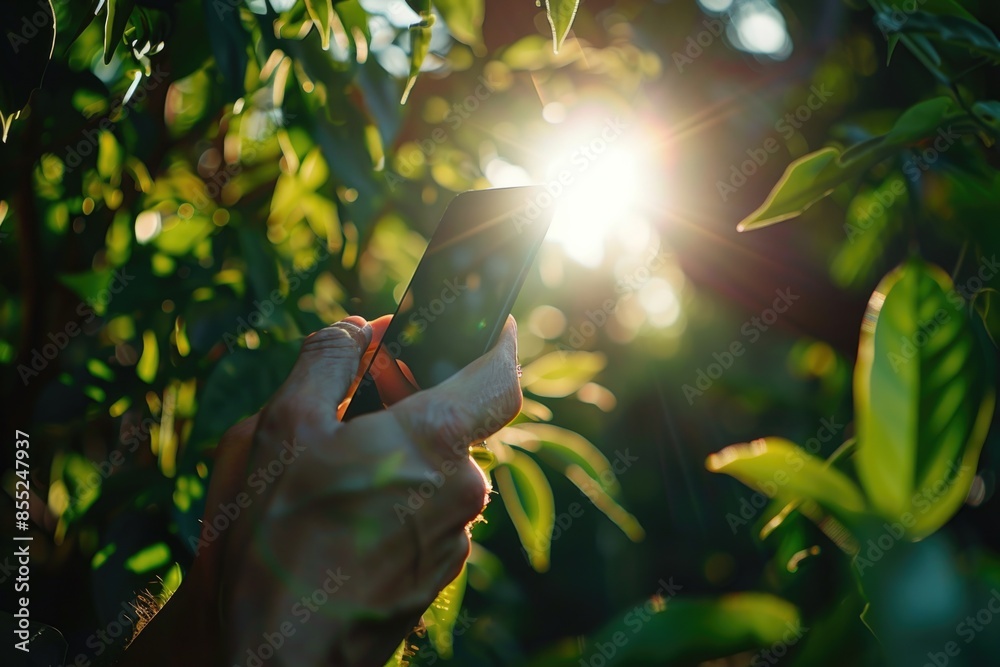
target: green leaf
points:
(321, 13)
(238, 386)
(582, 463)
(805, 182)
(149, 558)
(353, 15)
(528, 498)
(464, 19)
(964, 33)
(870, 227)
(561, 447)
(109, 158)
(149, 362)
(29, 35)
(836, 531)
(261, 263)
(561, 14)
(420, 44)
(101, 370)
(938, 7)
(115, 21)
(918, 122)
(923, 399)
(228, 39)
(987, 303)
(89, 285)
(780, 468)
(988, 113)
(72, 18)
(683, 631)
(399, 656)
(814, 176)
(559, 374)
(527, 53)
(440, 618)
(181, 236)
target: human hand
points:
(328, 558)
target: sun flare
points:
(602, 194)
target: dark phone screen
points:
(461, 293)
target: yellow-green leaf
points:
(464, 19)
(150, 558)
(109, 158)
(814, 176)
(583, 464)
(149, 362)
(321, 13)
(781, 469)
(440, 618)
(528, 498)
(561, 14)
(684, 631)
(420, 44)
(559, 374)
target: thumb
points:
(471, 405)
(328, 361)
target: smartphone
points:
(461, 292)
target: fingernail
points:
(364, 337)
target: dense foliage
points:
(189, 187)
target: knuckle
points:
(332, 340)
(470, 490)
